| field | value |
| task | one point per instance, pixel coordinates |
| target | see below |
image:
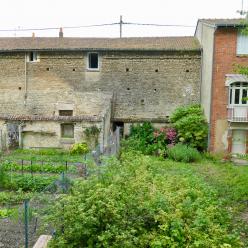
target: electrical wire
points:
(158, 25)
(95, 25)
(56, 28)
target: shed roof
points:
(149, 43)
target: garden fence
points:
(23, 228)
(113, 143)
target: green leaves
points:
(183, 153)
(142, 202)
(80, 148)
(191, 126)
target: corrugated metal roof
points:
(149, 43)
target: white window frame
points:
(88, 62)
(232, 89)
(242, 44)
(36, 57)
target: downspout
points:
(211, 94)
(26, 81)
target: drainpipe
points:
(211, 94)
(26, 81)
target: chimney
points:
(33, 35)
(61, 34)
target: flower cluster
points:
(168, 135)
(171, 135)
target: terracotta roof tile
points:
(149, 43)
(50, 118)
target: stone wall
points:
(146, 85)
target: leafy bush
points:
(191, 126)
(183, 153)
(142, 202)
(6, 212)
(11, 198)
(41, 151)
(80, 148)
(92, 131)
(149, 140)
(3, 176)
(141, 138)
(48, 167)
(29, 183)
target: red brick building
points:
(223, 91)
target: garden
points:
(36, 176)
(164, 190)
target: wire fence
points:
(28, 218)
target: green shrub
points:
(141, 138)
(29, 183)
(3, 176)
(80, 148)
(13, 198)
(142, 202)
(92, 131)
(6, 212)
(45, 167)
(183, 153)
(191, 126)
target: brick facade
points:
(225, 58)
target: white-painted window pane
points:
(242, 44)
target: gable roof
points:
(223, 22)
(148, 44)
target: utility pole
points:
(121, 22)
(242, 12)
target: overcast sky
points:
(18, 14)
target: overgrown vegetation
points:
(149, 140)
(141, 201)
(46, 155)
(188, 127)
(28, 182)
(80, 148)
(92, 135)
(191, 126)
(183, 153)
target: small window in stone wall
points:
(93, 61)
(32, 57)
(65, 112)
(67, 130)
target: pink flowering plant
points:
(149, 140)
(164, 137)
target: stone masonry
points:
(146, 85)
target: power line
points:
(158, 25)
(57, 28)
(95, 25)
